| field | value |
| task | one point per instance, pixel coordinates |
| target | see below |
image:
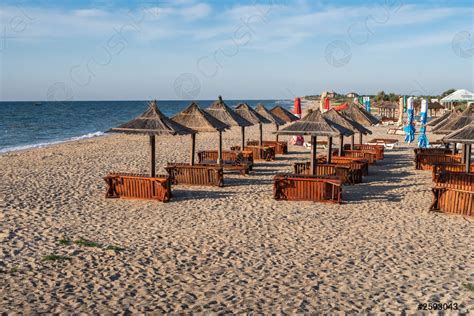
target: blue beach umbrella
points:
(409, 129)
(422, 139)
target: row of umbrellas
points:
(217, 118)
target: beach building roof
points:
(313, 124)
(284, 114)
(262, 110)
(225, 114)
(244, 110)
(461, 95)
(199, 120)
(152, 122)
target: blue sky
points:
(254, 49)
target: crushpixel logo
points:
(187, 86)
(338, 53)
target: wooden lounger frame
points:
(281, 147)
(438, 168)
(378, 150)
(266, 153)
(361, 165)
(138, 186)
(425, 161)
(342, 172)
(297, 187)
(370, 157)
(454, 193)
(232, 160)
(204, 175)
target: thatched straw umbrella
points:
(244, 110)
(313, 124)
(260, 109)
(439, 119)
(152, 123)
(387, 109)
(455, 123)
(354, 127)
(360, 115)
(201, 121)
(284, 114)
(225, 114)
(464, 136)
(435, 106)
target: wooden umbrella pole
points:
(341, 145)
(193, 148)
(152, 153)
(468, 157)
(360, 138)
(454, 148)
(242, 146)
(313, 155)
(277, 128)
(260, 127)
(352, 142)
(464, 153)
(219, 154)
(328, 161)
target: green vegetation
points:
(470, 287)
(65, 241)
(54, 257)
(114, 248)
(86, 243)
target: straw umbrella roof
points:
(439, 119)
(435, 106)
(284, 114)
(244, 110)
(360, 115)
(386, 105)
(339, 122)
(459, 122)
(152, 122)
(340, 119)
(464, 135)
(199, 120)
(225, 114)
(313, 124)
(451, 116)
(262, 110)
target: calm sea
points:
(34, 124)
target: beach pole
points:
(468, 157)
(219, 151)
(341, 145)
(193, 148)
(313, 155)
(360, 138)
(242, 146)
(277, 128)
(260, 127)
(152, 153)
(329, 150)
(352, 141)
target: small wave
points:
(39, 145)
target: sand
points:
(231, 249)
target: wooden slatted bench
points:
(342, 172)
(356, 164)
(454, 193)
(425, 161)
(281, 147)
(259, 152)
(297, 187)
(232, 160)
(205, 175)
(432, 151)
(438, 168)
(378, 150)
(138, 186)
(370, 157)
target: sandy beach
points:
(231, 249)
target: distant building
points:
(352, 95)
(329, 94)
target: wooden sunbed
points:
(454, 193)
(378, 150)
(355, 163)
(360, 154)
(342, 172)
(425, 161)
(138, 186)
(281, 147)
(205, 175)
(232, 160)
(438, 168)
(297, 187)
(266, 153)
